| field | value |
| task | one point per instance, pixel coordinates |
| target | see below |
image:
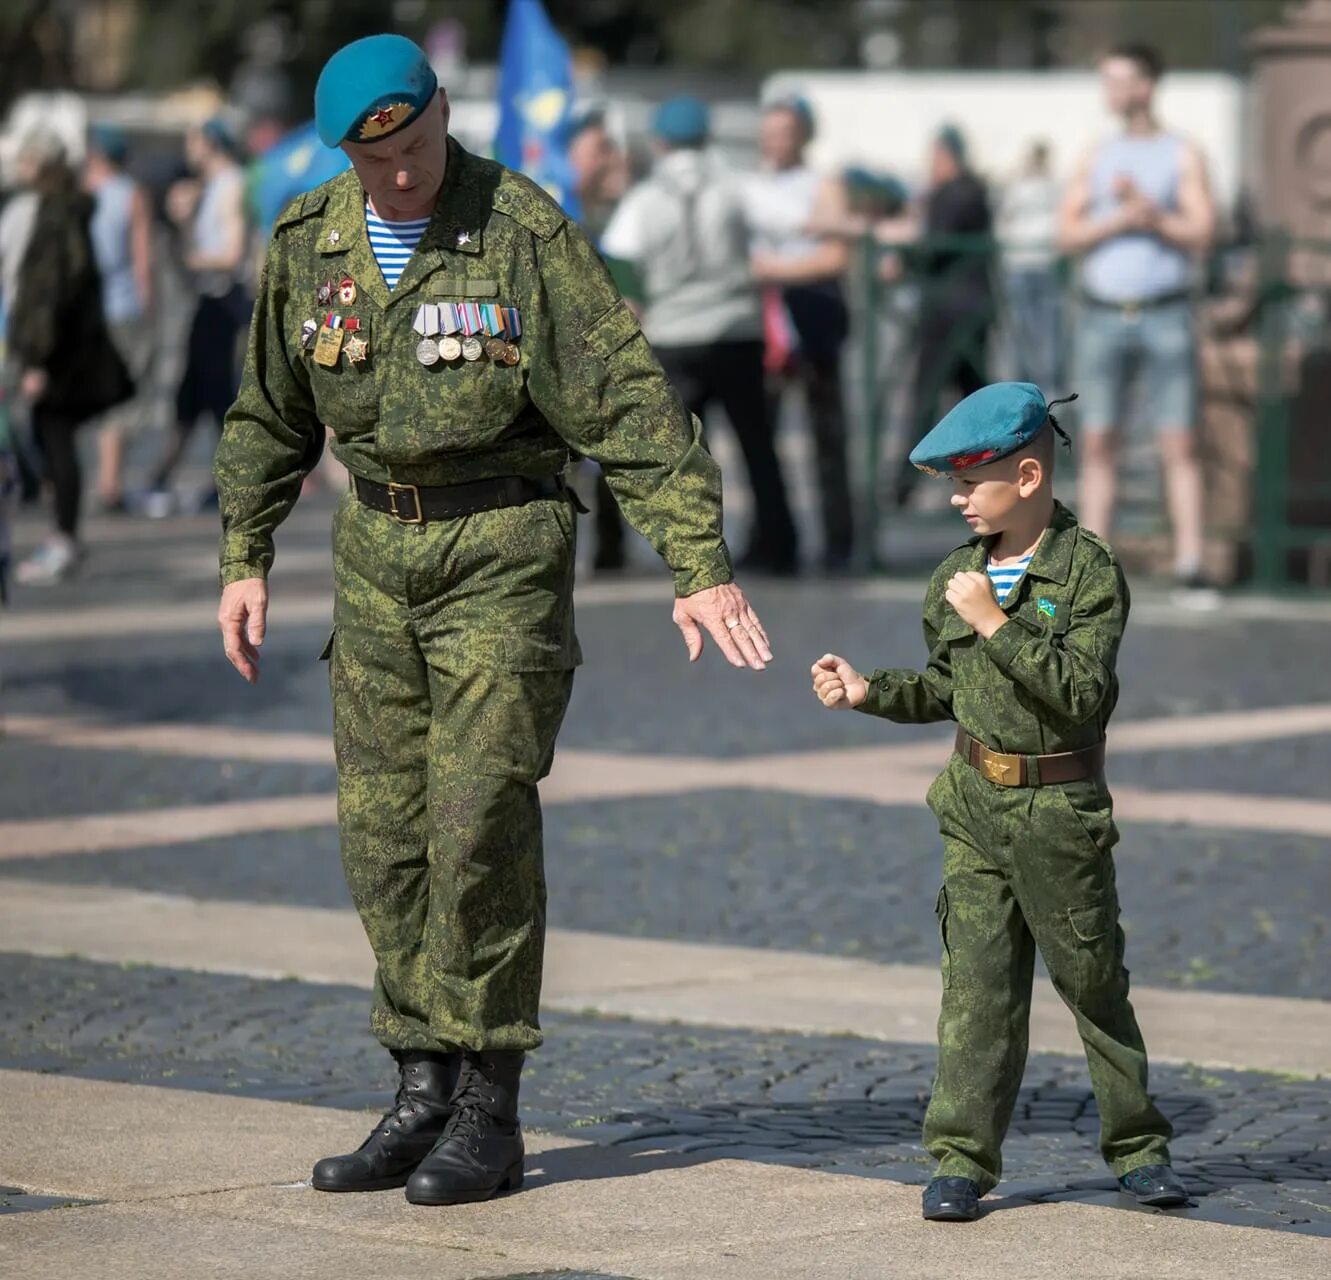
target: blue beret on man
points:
(987, 425)
(371, 88)
(684, 121)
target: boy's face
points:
(987, 496)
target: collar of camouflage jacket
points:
(1053, 557)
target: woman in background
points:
(69, 370)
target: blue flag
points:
(297, 164)
(536, 102)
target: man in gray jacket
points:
(685, 233)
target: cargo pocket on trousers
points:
(1094, 946)
(940, 910)
(542, 669)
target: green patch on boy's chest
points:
(1047, 607)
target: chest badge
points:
(346, 291)
(1046, 607)
(464, 237)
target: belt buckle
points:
(393, 491)
(1001, 769)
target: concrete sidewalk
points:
(202, 1186)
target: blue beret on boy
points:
(987, 425)
(371, 88)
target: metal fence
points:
(940, 315)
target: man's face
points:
(403, 172)
(781, 138)
(1127, 88)
(943, 165)
(592, 154)
(197, 150)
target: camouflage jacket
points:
(587, 380)
(1044, 682)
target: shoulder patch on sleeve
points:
(523, 201)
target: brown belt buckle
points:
(393, 491)
(1004, 770)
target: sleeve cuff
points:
(714, 571)
(242, 558)
(1007, 642)
(879, 697)
(235, 571)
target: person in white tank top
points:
(1140, 214)
(804, 312)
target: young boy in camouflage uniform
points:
(1023, 625)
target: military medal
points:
(427, 351)
(495, 348)
(426, 324)
(450, 348)
(472, 348)
(307, 332)
(512, 323)
(355, 348)
(346, 292)
(324, 293)
(328, 345)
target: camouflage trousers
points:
(452, 662)
(1028, 867)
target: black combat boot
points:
(481, 1151)
(405, 1134)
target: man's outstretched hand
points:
(730, 620)
(243, 617)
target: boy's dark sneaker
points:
(1155, 1184)
(951, 1200)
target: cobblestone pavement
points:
(1205, 908)
(1254, 1148)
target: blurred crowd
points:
(748, 285)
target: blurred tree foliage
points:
(177, 42)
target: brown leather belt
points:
(416, 504)
(1030, 771)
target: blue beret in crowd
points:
(371, 88)
(682, 120)
(110, 141)
(987, 425)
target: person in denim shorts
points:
(1140, 212)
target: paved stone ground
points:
(1253, 1147)
(1202, 909)
(1205, 909)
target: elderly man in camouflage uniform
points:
(455, 387)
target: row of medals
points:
(431, 317)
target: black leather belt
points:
(417, 504)
(1137, 305)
